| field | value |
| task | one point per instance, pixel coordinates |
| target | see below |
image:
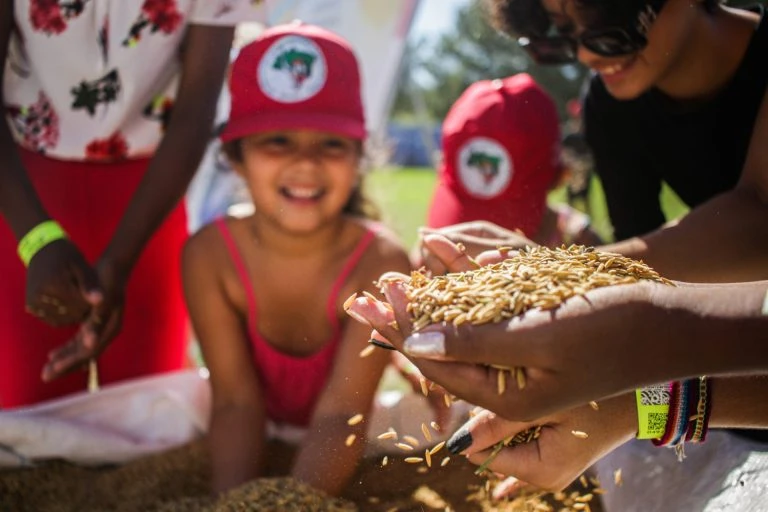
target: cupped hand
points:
(98, 329)
(568, 443)
(61, 285)
(589, 348)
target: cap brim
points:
(238, 128)
(449, 207)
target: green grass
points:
(404, 195)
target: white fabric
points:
(115, 424)
(726, 473)
(56, 51)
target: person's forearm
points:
(739, 402)
(163, 185)
(713, 329)
(236, 441)
(19, 203)
(325, 461)
(204, 59)
(724, 240)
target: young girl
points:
(266, 292)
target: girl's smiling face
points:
(299, 179)
(628, 76)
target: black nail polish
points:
(459, 441)
(381, 344)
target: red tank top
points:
(291, 384)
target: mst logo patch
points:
(484, 167)
(293, 69)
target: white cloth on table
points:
(725, 473)
(116, 424)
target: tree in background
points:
(437, 72)
(434, 74)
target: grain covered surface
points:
(176, 481)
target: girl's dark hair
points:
(529, 18)
(358, 205)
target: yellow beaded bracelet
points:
(37, 238)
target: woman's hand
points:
(62, 288)
(586, 350)
(97, 330)
(568, 442)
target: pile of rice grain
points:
(274, 494)
(537, 277)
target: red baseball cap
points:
(501, 142)
(295, 76)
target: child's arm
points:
(324, 460)
(236, 436)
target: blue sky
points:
(434, 17)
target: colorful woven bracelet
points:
(38, 237)
(678, 417)
(652, 410)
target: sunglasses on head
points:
(607, 42)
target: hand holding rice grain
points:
(535, 278)
(540, 317)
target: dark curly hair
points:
(358, 204)
(529, 18)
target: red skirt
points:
(88, 200)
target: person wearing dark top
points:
(698, 149)
(679, 96)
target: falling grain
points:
(349, 301)
(437, 448)
(390, 434)
(426, 432)
(501, 381)
(354, 420)
(367, 351)
(350, 439)
(579, 434)
(411, 440)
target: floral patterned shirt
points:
(96, 79)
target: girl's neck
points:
(717, 48)
(295, 245)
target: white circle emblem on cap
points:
(484, 167)
(293, 69)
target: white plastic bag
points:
(119, 423)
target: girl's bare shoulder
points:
(385, 252)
